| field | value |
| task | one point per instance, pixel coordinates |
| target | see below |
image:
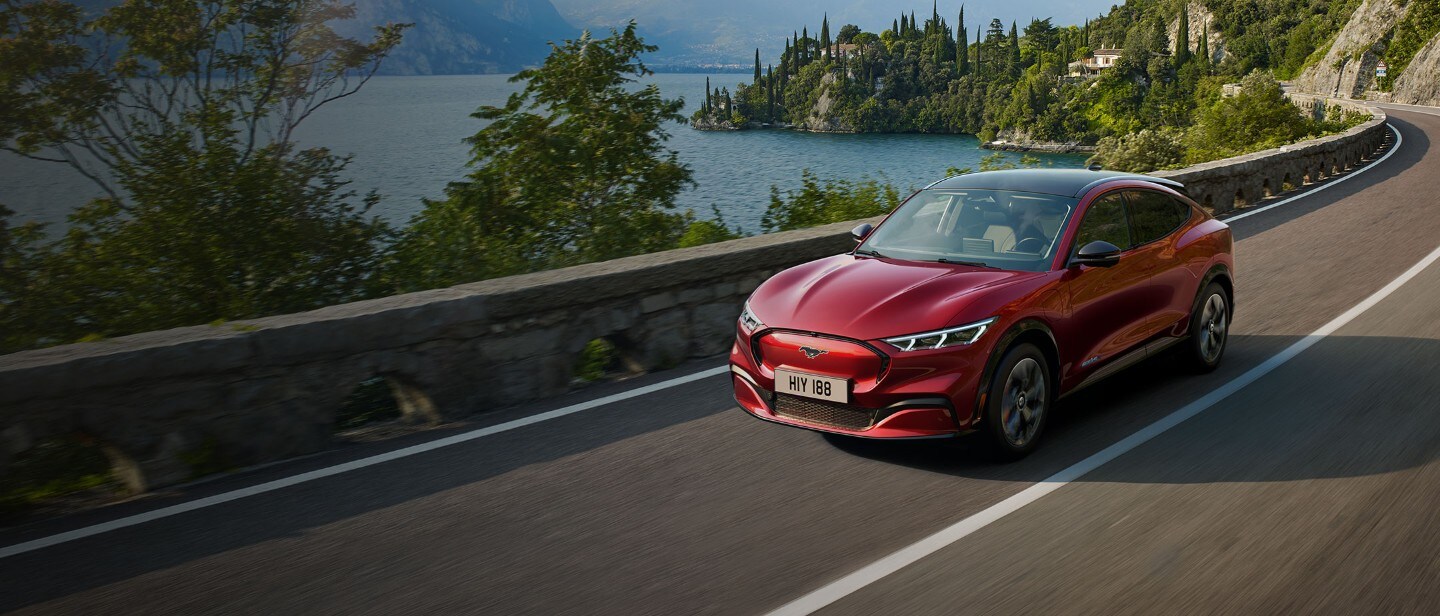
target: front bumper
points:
(914, 395)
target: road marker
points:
(271, 486)
(873, 572)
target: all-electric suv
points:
(981, 301)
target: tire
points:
(1019, 400)
(1209, 329)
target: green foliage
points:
(50, 470)
(373, 400)
(597, 358)
(182, 113)
(1257, 118)
(572, 169)
(818, 203)
(1421, 23)
(701, 232)
(1147, 150)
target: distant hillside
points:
(464, 36)
(454, 36)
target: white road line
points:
(912, 553)
(210, 501)
(1398, 140)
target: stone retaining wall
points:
(1224, 185)
(166, 404)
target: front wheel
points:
(1018, 400)
(1209, 329)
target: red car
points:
(981, 301)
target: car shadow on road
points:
(1350, 406)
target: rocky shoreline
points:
(1048, 147)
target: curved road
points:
(1315, 488)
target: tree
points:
(572, 169)
(962, 46)
(183, 113)
(757, 66)
(847, 34)
(1203, 47)
(825, 33)
(1014, 50)
(1041, 36)
(1182, 37)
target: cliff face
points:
(1348, 69)
(1202, 23)
(1420, 83)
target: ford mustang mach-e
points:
(981, 301)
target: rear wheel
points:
(1209, 329)
(1018, 403)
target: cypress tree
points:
(935, 14)
(825, 32)
(770, 94)
(804, 46)
(709, 105)
(757, 65)
(1204, 50)
(895, 26)
(1014, 49)
(979, 44)
(1182, 37)
(913, 27)
(962, 47)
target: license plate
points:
(812, 386)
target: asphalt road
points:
(1313, 489)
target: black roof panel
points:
(1062, 182)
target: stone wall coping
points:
(401, 319)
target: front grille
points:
(824, 413)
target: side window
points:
(1154, 215)
(1105, 221)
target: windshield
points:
(994, 228)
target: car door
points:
(1109, 307)
(1155, 217)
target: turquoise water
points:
(405, 134)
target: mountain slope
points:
(463, 36)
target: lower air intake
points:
(824, 413)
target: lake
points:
(405, 134)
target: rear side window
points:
(1105, 222)
(1154, 215)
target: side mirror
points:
(1097, 254)
(861, 232)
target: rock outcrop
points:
(1348, 69)
(1202, 23)
(1420, 83)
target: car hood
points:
(866, 298)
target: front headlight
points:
(748, 321)
(955, 336)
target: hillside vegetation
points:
(1013, 82)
